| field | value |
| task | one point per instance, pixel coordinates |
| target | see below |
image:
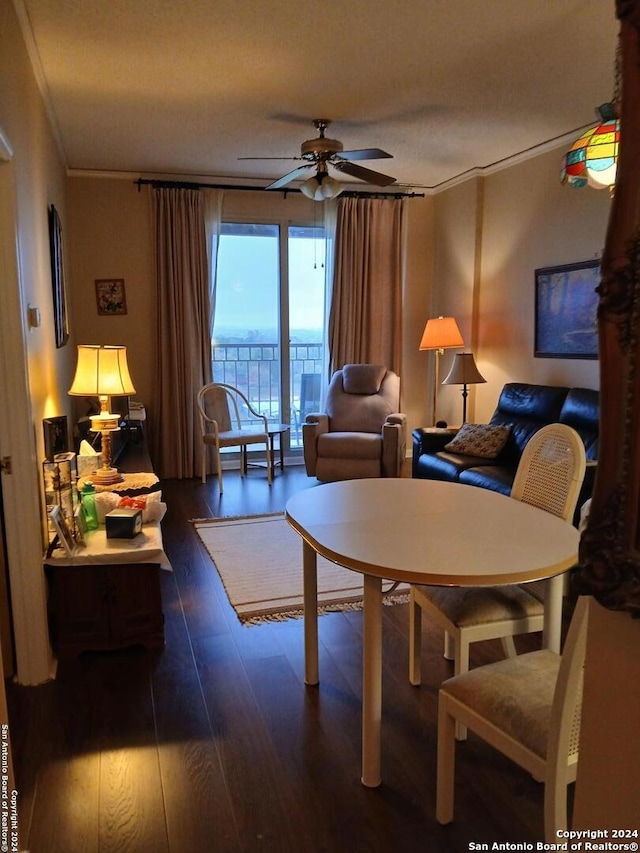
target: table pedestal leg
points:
(372, 682)
(310, 605)
(553, 614)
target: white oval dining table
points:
(423, 532)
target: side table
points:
(273, 430)
(107, 594)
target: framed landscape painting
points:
(566, 311)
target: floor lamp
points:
(103, 372)
(439, 334)
(464, 371)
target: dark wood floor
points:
(215, 744)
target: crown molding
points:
(557, 142)
(477, 172)
(34, 57)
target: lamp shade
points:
(101, 371)
(464, 371)
(441, 333)
(592, 160)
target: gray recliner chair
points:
(361, 433)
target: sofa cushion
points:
(483, 440)
(446, 466)
(498, 478)
(581, 411)
(526, 408)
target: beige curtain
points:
(183, 317)
(365, 318)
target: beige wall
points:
(499, 230)
(110, 235)
(456, 266)
(39, 182)
(35, 375)
(417, 307)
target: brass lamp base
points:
(106, 477)
(106, 423)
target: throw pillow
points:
(484, 440)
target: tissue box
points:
(88, 465)
(123, 523)
(88, 460)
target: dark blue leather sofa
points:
(525, 408)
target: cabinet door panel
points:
(80, 605)
(135, 602)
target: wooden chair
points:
(228, 419)
(528, 708)
(549, 476)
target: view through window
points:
(269, 318)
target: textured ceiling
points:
(446, 86)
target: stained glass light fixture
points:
(592, 160)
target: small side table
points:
(273, 430)
(107, 594)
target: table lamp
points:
(464, 371)
(102, 371)
(439, 334)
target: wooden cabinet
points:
(103, 607)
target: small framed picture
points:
(110, 296)
(56, 436)
(65, 536)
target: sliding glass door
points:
(269, 318)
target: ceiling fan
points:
(319, 154)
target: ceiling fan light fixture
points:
(320, 187)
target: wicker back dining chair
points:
(549, 476)
(542, 737)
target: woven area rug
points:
(259, 559)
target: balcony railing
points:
(254, 368)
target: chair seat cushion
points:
(350, 445)
(467, 606)
(515, 695)
(231, 437)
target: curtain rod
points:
(188, 185)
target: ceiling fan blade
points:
(365, 154)
(368, 175)
(300, 172)
(268, 158)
